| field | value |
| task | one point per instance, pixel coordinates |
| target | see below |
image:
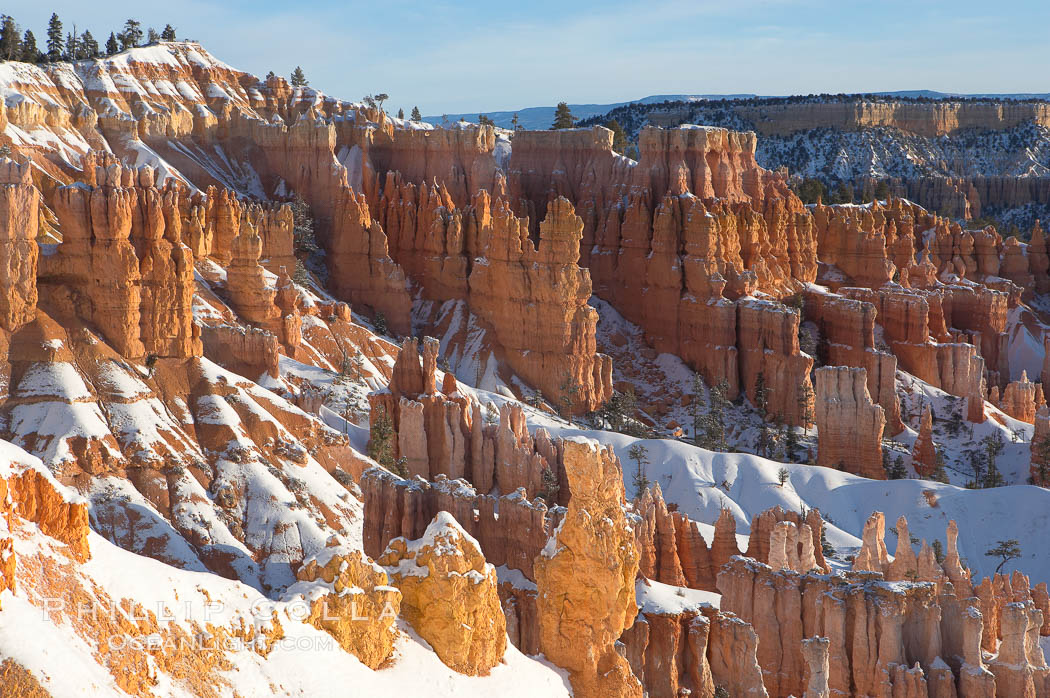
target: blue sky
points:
(451, 57)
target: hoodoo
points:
(300, 397)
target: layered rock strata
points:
(442, 432)
(849, 424)
(585, 578)
(449, 595)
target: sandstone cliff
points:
(585, 578)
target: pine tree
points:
(696, 407)
(111, 44)
(938, 551)
(896, 470)
(132, 34)
(514, 121)
(570, 389)
(299, 78)
(1005, 549)
(381, 441)
(713, 422)
(416, 116)
(550, 487)
(168, 34)
(485, 121)
(270, 76)
(640, 455)
(54, 38)
(762, 404)
(843, 194)
(993, 446)
(619, 137)
(10, 42)
(805, 405)
(380, 98)
(882, 190)
(89, 47)
(152, 37)
(563, 117)
(618, 409)
(761, 395)
(401, 114)
(303, 227)
(30, 53)
(791, 443)
(72, 45)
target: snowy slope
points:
(41, 630)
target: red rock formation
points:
(1019, 399)
(360, 268)
(910, 320)
(804, 539)
(851, 239)
(449, 595)
(769, 347)
(760, 238)
(655, 534)
(360, 607)
(849, 424)
(874, 631)
(122, 265)
(19, 214)
(815, 651)
(511, 529)
(1040, 460)
(872, 556)
(250, 352)
(535, 298)
(924, 451)
(446, 434)
(668, 653)
(847, 332)
(38, 498)
(585, 578)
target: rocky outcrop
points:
(846, 337)
(442, 432)
(1019, 399)
(924, 451)
(849, 424)
(449, 595)
(785, 539)
(929, 120)
(19, 215)
(1040, 459)
(668, 653)
(769, 349)
(1020, 668)
(910, 321)
(669, 255)
(815, 652)
(671, 549)
(40, 499)
(122, 265)
(512, 530)
(851, 240)
(585, 578)
(351, 599)
(882, 639)
(249, 352)
(359, 265)
(696, 650)
(535, 298)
